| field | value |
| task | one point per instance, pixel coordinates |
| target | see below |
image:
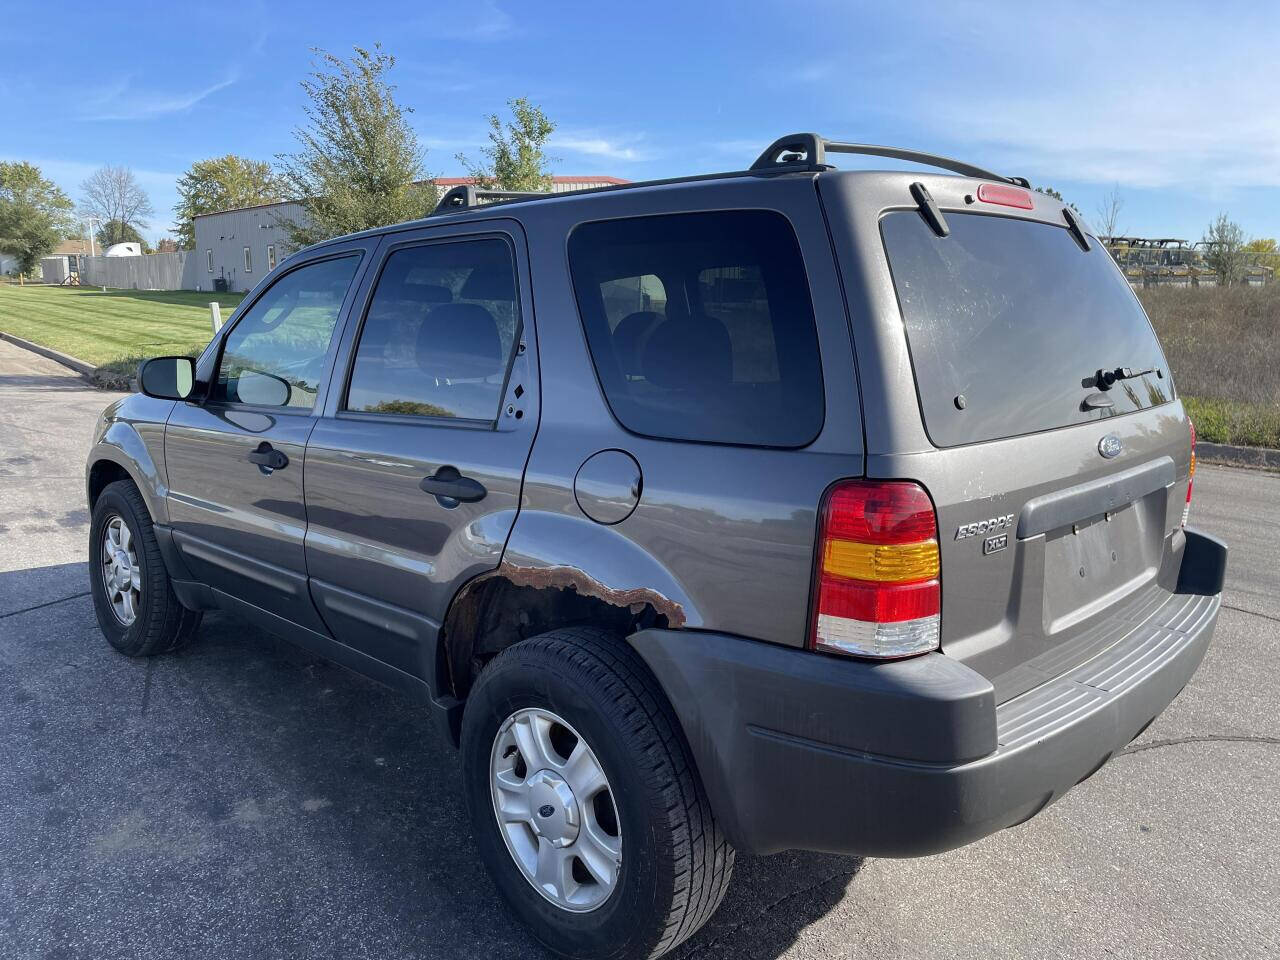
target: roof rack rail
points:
(469, 195)
(808, 151)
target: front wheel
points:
(137, 610)
(585, 802)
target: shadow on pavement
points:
(244, 798)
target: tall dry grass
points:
(1223, 345)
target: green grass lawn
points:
(119, 325)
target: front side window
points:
(275, 354)
(701, 326)
(439, 332)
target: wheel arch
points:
(556, 571)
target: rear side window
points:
(1015, 318)
(701, 327)
(439, 332)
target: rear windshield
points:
(1009, 321)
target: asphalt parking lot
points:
(244, 799)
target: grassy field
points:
(115, 328)
(1223, 344)
(1224, 349)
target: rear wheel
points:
(585, 803)
(137, 610)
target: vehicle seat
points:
(688, 354)
(629, 338)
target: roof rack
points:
(469, 195)
(808, 151)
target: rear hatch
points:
(1059, 494)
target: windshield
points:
(1009, 322)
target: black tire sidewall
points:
(130, 640)
(625, 925)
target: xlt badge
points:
(984, 526)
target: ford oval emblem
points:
(1110, 446)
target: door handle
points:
(268, 457)
(448, 484)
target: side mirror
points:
(167, 378)
(262, 389)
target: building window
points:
(248, 261)
(271, 257)
(209, 254)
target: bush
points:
(1224, 355)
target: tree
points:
(1109, 208)
(34, 214)
(167, 245)
(1050, 192)
(358, 164)
(113, 231)
(515, 159)
(1265, 253)
(1225, 254)
(114, 196)
(222, 183)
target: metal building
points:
(239, 247)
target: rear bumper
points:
(913, 757)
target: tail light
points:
(876, 589)
(1191, 477)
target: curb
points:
(1257, 457)
(79, 366)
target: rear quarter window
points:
(1013, 316)
(701, 326)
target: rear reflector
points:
(1191, 476)
(1005, 196)
(876, 590)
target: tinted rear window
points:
(1014, 316)
(701, 327)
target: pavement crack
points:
(1207, 738)
(41, 606)
(1252, 613)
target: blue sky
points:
(1177, 104)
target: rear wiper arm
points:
(1106, 379)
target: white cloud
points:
(1184, 100)
(121, 101)
(483, 21)
(598, 146)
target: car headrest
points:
(629, 338)
(459, 341)
(683, 354)
(489, 281)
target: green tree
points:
(515, 159)
(1225, 252)
(34, 214)
(1050, 192)
(113, 231)
(358, 163)
(222, 183)
(1265, 253)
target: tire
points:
(156, 622)
(675, 863)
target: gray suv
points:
(789, 508)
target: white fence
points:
(155, 271)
